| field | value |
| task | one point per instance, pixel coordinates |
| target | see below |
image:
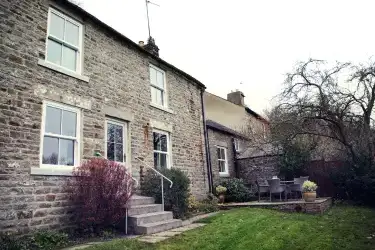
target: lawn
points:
(343, 227)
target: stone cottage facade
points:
(232, 128)
(72, 87)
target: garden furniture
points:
(276, 187)
(261, 189)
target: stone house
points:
(72, 87)
(232, 128)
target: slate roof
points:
(222, 128)
(127, 40)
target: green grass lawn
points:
(343, 227)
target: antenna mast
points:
(148, 18)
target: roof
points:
(256, 115)
(222, 128)
(127, 40)
(260, 150)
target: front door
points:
(116, 141)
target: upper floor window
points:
(60, 135)
(158, 90)
(64, 41)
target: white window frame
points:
(76, 139)
(164, 89)
(237, 144)
(226, 172)
(79, 49)
(168, 152)
(124, 137)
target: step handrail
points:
(157, 172)
(161, 179)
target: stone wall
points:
(258, 168)
(217, 138)
(118, 75)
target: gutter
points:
(207, 147)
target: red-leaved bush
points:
(100, 189)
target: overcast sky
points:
(223, 43)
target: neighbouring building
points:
(71, 87)
(232, 128)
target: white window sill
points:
(224, 174)
(161, 108)
(62, 70)
(56, 171)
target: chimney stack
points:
(151, 46)
(237, 98)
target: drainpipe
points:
(207, 147)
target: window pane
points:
(50, 150)
(154, 95)
(66, 156)
(160, 79)
(160, 161)
(69, 123)
(56, 26)
(119, 134)
(159, 97)
(110, 151)
(69, 58)
(157, 145)
(110, 132)
(71, 33)
(119, 153)
(221, 166)
(163, 143)
(153, 76)
(54, 52)
(53, 120)
(222, 153)
(219, 153)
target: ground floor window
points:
(161, 149)
(60, 135)
(222, 160)
(115, 141)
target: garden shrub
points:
(208, 205)
(100, 189)
(175, 198)
(355, 183)
(236, 190)
(42, 240)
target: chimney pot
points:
(141, 43)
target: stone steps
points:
(150, 217)
(157, 227)
(145, 217)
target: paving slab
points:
(154, 238)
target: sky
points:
(224, 43)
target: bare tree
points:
(334, 102)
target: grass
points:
(343, 227)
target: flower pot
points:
(221, 198)
(309, 196)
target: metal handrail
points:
(153, 169)
(161, 179)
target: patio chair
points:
(276, 187)
(304, 178)
(296, 187)
(261, 189)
